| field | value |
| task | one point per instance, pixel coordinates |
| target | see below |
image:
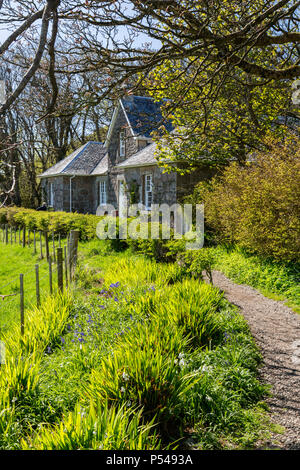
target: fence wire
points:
(13, 303)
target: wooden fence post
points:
(50, 275)
(60, 279)
(34, 242)
(22, 302)
(24, 237)
(53, 245)
(73, 246)
(47, 246)
(37, 285)
(41, 245)
(66, 266)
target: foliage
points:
(273, 278)
(58, 222)
(195, 262)
(214, 130)
(98, 428)
(257, 206)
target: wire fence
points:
(54, 273)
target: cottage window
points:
(148, 191)
(51, 195)
(122, 143)
(102, 193)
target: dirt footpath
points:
(276, 329)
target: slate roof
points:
(144, 157)
(144, 114)
(82, 162)
(102, 167)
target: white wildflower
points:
(125, 376)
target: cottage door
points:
(122, 200)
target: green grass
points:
(277, 280)
(16, 260)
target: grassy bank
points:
(15, 260)
(278, 280)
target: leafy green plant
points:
(257, 205)
(99, 428)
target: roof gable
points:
(144, 115)
(144, 157)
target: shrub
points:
(58, 222)
(258, 206)
(195, 262)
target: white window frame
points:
(148, 190)
(51, 194)
(102, 187)
(122, 146)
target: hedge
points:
(59, 222)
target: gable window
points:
(102, 193)
(148, 191)
(51, 195)
(122, 143)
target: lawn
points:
(16, 260)
(140, 356)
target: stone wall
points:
(60, 191)
(114, 155)
(186, 183)
(164, 185)
(83, 193)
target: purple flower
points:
(114, 286)
(62, 340)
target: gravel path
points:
(276, 330)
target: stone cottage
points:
(121, 171)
